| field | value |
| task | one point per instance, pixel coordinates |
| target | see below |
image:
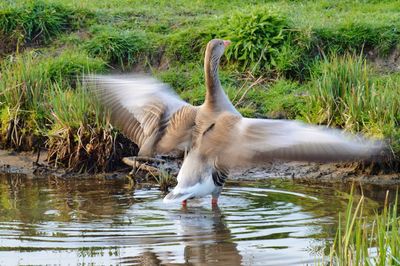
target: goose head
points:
(215, 48)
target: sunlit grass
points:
(36, 22)
(118, 47)
(22, 82)
(271, 77)
(71, 108)
(367, 241)
(28, 87)
(345, 92)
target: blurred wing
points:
(147, 111)
(236, 141)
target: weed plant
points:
(263, 40)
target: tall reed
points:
(345, 92)
(364, 241)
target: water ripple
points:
(109, 224)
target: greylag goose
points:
(215, 135)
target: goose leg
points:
(214, 201)
(215, 196)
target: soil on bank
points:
(33, 164)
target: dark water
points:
(105, 222)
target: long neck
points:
(213, 84)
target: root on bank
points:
(88, 149)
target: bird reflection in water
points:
(205, 238)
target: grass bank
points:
(307, 60)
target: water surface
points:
(105, 222)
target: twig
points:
(38, 156)
(130, 160)
(241, 88)
(258, 81)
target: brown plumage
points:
(147, 112)
(215, 134)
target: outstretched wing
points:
(236, 141)
(147, 111)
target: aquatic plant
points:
(165, 180)
(362, 241)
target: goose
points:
(214, 136)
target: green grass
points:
(118, 47)
(37, 22)
(284, 99)
(259, 39)
(357, 36)
(165, 180)
(71, 108)
(22, 82)
(79, 136)
(345, 92)
(361, 240)
(288, 59)
(188, 44)
(301, 59)
(27, 78)
(70, 65)
(22, 100)
(28, 87)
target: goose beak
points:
(226, 42)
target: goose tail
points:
(174, 197)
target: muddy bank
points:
(22, 162)
(34, 164)
(317, 173)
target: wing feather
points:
(147, 111)
(179, 130)
(236, 141)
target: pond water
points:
(105, 222)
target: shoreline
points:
(32, 166)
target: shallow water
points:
(100, 221)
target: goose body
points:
(215, 135)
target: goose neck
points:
(213, 83)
